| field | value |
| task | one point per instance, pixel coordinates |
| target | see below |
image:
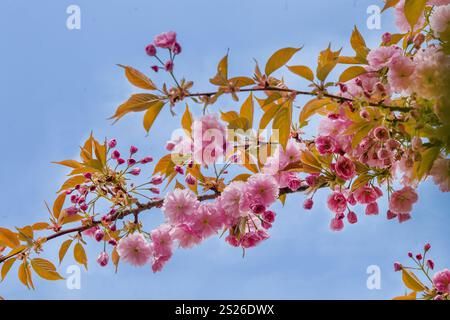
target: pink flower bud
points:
(427, 247)
(151, 50)
(179, 169)
(266, 225)
(154, 190)
(342, 87)
(170, 146)
(430, 264)
(156, 180)
(391, 215)
(146, 160)
(257, 208)
(381, 133)
(410, 254)
(131, 162)
(71, 211)
(358, 82)
(115, 155)
(364, 114)
(397, 267)
(311, 180)
(232, 240)
(133, 149)
(103, 259)
(176, 49)
(112, 143)
(113, 227)
(294, 183)
(120, 161)
(155, 68)
(135, 171)
(352, 218)
(169, 66)
(112, 242)
(336, 224)
(308, 204)
(372, 209)
(84, 207)
(351, 199)
(269, 216)
(419, 257)
(99, 235)
(386, 37)
(402, 217)
(190, 180)
(88, 175)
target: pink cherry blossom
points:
(325, 144)
(103, 259)
(345, 168)
(352, 217)
(260, 188)
(166, 40)
(441, 281)
(162, 241)
(180, 205)
(441, 174)
(440, 19)
(365, 195)
(208, 220)
(382, 56)
(401, 69)
(403, 200)
(134, 249)
(230, 200)
(308, 204)
(337, 202)
(186, 236)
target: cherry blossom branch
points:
(300, 92)
(140, 207)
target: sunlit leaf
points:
(63, 250)
(6, 267)
(186, 120)
(326, 62)
(279, 59)
(72, 182)
(351, 73)
(413, 10)
(247, 110)
(137, 78)
(9, 238)
(302, 71)
(411, 281)
(151, 114)
(80, 255)
(45, 269)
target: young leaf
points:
(45, 269)
(58, 204)
(69, 163)
(63, 250)
(389, 4)
(136, 103)
(222, 72)
(80, 255)
(351, 73)
(413, 10)
(6, 267)
(310, 108)
(72, 182)
(247, 110)
(411, 281)
(137, 78)
(326, 62)
(282, 123)
(9, 238)
(38, 226)
(279, 59)
(151, 115)
(302, 71)
(186, 120)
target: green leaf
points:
(279, 59)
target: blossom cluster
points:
(440, 281)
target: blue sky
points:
(58, 84)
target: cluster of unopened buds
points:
(167, 40)
(439, 283)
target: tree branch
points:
(135, 211)
(299, 92)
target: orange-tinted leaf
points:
(45, 269)
(279, 59)
(80, 255)
(9, 238)
(151, 114)
(137, 78)
(302, 71)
